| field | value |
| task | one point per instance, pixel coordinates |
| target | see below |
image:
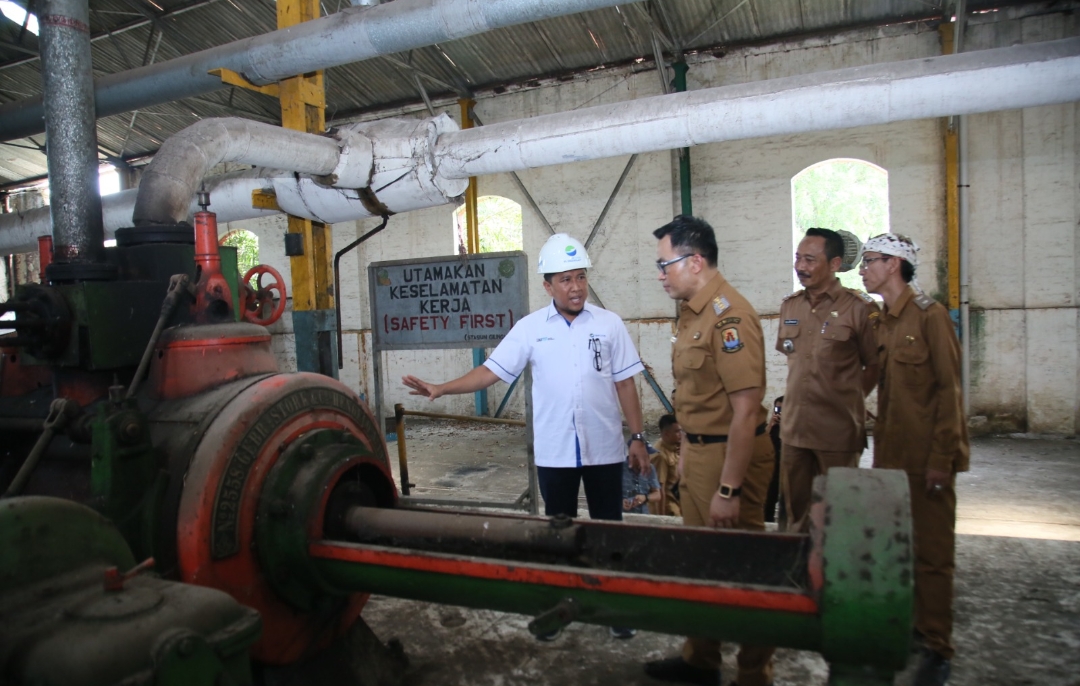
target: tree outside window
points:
(499, 223)
(838, 194)
(247, 248)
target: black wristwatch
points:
(638, 437)
(729, 492)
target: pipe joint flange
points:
(356, 163)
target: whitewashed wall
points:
(1025, 207)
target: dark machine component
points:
(76, 610)
(42, 321)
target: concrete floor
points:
(1017, 595)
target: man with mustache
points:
(827, 333)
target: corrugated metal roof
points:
(129, 33)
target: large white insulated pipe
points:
(230, 194)
(351, 35)
(986, 81)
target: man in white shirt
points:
(583, 364)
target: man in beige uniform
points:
(727, 458)
(827, 333)
(920, 429)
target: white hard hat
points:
(561, 253)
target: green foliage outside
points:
(841, 194)
(499, 220)
(247, 249)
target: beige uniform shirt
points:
(719, 349)
(666, 462)
(920, 422)
(827, 345)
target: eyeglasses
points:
(867, 261)
(594, 346)
(662, 266)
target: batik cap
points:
(894, 244)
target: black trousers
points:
(603, 490)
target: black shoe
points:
(933, 670)
(622, 632)
(550, 636)
(678, 669)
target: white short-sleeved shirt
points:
(574, 405)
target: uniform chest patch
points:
(730, 337)
(791, 322)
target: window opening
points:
(247, 248)
(499, 222)
(840, 193)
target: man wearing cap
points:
(827, 333)
(583, 364)
(718, 358)
(920, 429)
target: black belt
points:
(705, 439)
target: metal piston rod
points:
(844, 590)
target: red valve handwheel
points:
(258, 302)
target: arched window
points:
(838, 194)
(247, 248)
(499, 222)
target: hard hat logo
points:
(562, 253)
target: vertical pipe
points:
(78, 230)
(964, 228)
(472, 233)
(403, 462)
(965, 293)
(681, 68)
(472, 224)
(952, 190)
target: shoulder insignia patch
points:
(732, 342)
(862, 294)
(924, 301)
(792, 295)
(720, 305)
(729, 320)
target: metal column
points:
(472, 235)
(303, 103)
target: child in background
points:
(666, 462)
(640, 491)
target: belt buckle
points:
(699, 439)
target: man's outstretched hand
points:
(419, 387)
